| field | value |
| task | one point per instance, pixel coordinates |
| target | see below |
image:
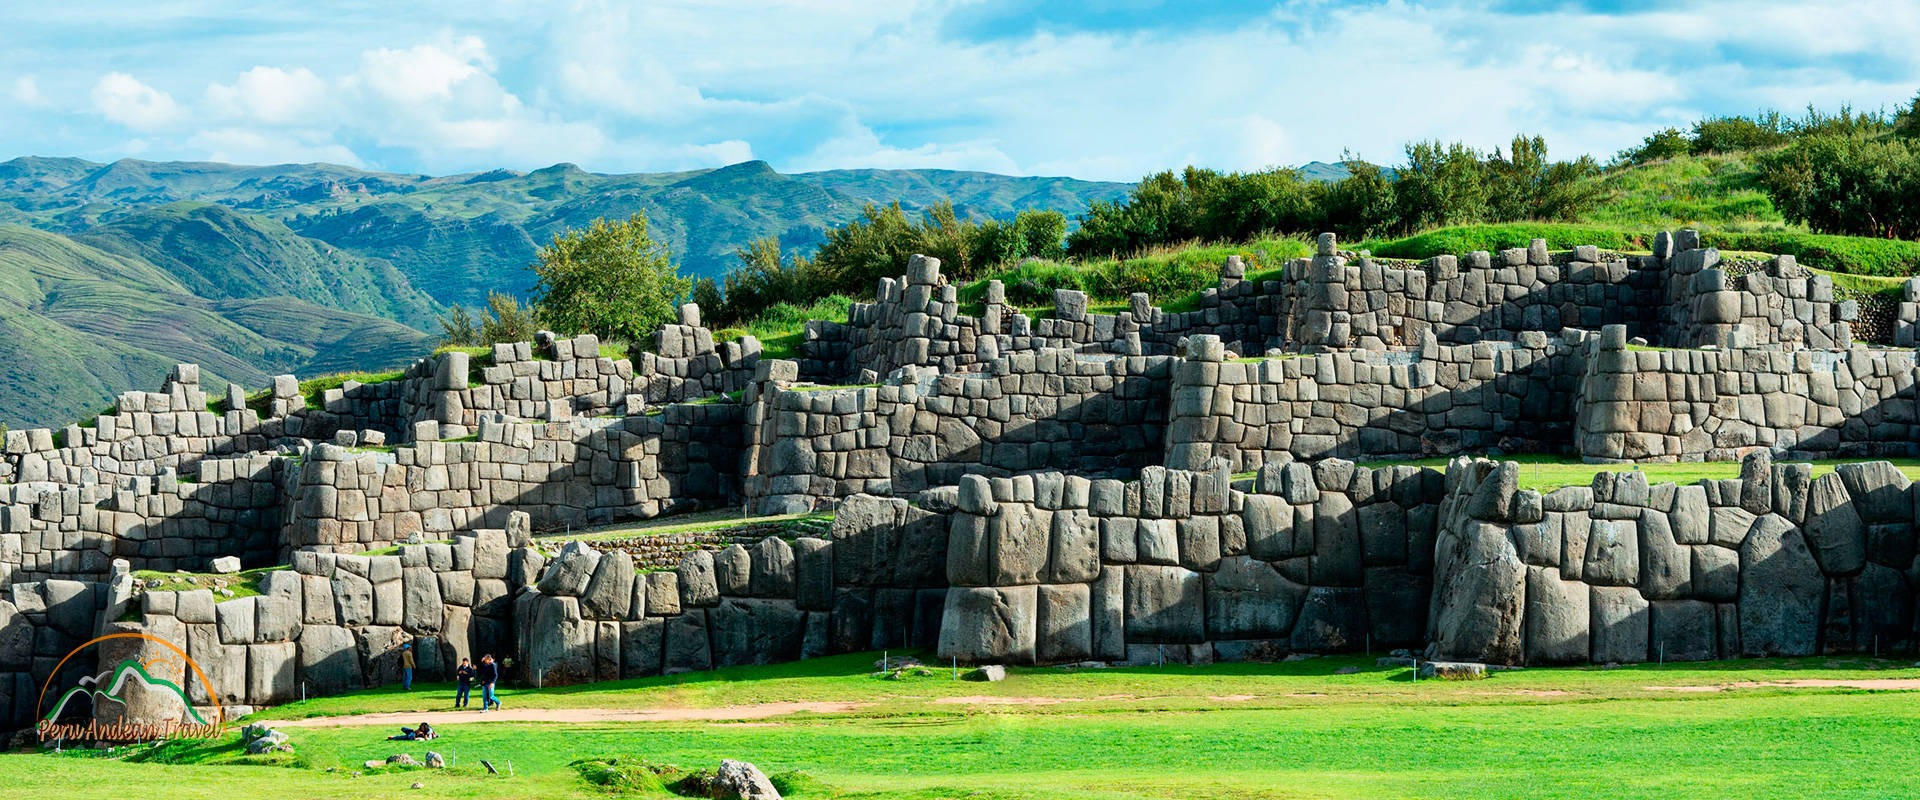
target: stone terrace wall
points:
(1434, 400)
(162, 523)
(1047, 409)
(686, 364)
(1179, 566)
(573, 472)
(1769, 564)
(1717, 405)
(1775, 303)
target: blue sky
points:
(1107, 89)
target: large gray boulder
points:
(1780, 589)
(567, 575)
(1684, 630)
(687, 647)
(1558, 613)
(1834, 532)
(698, 588)
(774, 568)
(1064, 631)
(1619, 627)
(424, 608)
(1666, 566)
(609, 592)
(329, 661)
(739, 780)
(755, 631)
(983, 624)
(1249, 599)
(733, 571)
(1164, 605)
(1332, 619)
(813, 573)
(1478, 595)
(560, 642)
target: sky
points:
(1098, 89)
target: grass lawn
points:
(1290, 730)
(1549, 472)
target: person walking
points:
(406, 667)
(463, 674)
(489, 674)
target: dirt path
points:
(1802, 683)
(723, 713)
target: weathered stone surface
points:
(698, 587)
(1780, 588)
(1248, 599)
(1619, 625)
(687, 648)
(1164, 605)
(1064, 631)
(609, 591)
(1558, 613)
(329, 660)
(570, 570)
(1479, 592)
(755, 631)
(773, 568)
(1666, 566)
(983, 624)
(1834, 532)
(1684, 630)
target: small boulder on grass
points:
(1454, 670)
(991, 673)
(226, 565)
(739, 780)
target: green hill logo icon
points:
(74, 712)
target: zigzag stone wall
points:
(1023, 490)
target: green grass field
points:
(1549, 472)
(1289, 730)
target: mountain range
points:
(111, 273)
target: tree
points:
(1044, 233)
(610, 279)
(507, 321)
(1360, 205)
(457, 328)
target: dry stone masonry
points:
(1137, 487)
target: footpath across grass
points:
(1291, 730)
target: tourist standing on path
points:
(406, 667)
(464, 675)
(489, 675)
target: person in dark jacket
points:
(489, 674)
(406, 667)
(463, 675)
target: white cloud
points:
(244, 146)
(26, 91)
(272, 96)
(839, 83)
(124, 99)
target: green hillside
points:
(114, 272)
(218, 253)
(84, 325)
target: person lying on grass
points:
(420, 734)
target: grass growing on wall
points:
(1548, 472)
(245, 583)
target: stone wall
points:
(1038, 410)
(1718, 405)
(1774, 563)
(574, 472)
(1432, 400)
(1180, 566)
